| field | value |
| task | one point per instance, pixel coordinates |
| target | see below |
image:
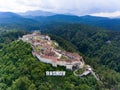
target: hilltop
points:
(48, 51)
(99, 48)
(21, 67)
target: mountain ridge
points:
(37, 13)
(39, 21)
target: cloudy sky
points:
(107, 8)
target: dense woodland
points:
(93, 42)
(21, 71)
(99, 48)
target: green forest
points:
(100, 48)
(92, 42)
(19, 70)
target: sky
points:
(104, 8)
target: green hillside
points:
(21, 71)
(100, 49)
(7, 36)
(93, 42)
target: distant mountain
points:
(106, 23)
(11, 20)
(70, 18)
(37, 13)
(8, 15)
(45, 18)
(58, 18)
(103, 22)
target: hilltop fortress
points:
(48, 51)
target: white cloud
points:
(78, 7)
(108, 14)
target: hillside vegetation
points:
(93, 42)
(99, 48)
(21, 71)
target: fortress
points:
(48, 51)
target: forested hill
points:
(99, 44)
(100, 49)
(20, 70)
(7, 36)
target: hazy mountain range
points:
(37, 13)
(40, 18)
